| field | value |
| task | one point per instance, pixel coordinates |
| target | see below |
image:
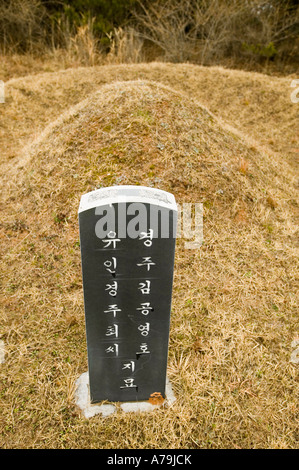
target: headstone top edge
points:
(127, 193)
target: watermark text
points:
(137, 219)
(2, 92)
(295, 93)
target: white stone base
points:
(83, 400)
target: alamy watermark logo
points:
(190, 224)
(295, 93)
(2, 92)
(2, 352)
(137, 220)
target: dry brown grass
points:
(258, 105)
(234, 313)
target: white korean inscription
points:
(130, 365)
(146, 261)
(145, 308)
(113, 309)
(128, 383)
(143, 349)
(111, 241)
(112, 349)
(112, 330)
(145, 287)
(147, 237)
(144, 329)
(110, 265)
(112, 288)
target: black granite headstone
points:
(127, 239)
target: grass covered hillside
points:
(257, 105)
(234, 312)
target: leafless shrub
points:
(22, 25)
(186, 29)
(268, 28)
(231, 32)
(165, 25)
(205, 30)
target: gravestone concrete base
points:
(82, 399)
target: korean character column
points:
(112, 310)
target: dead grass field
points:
(234, 312)
(257, 105)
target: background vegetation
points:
(251, 34)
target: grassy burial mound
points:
(233, 314)
(258, 105)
